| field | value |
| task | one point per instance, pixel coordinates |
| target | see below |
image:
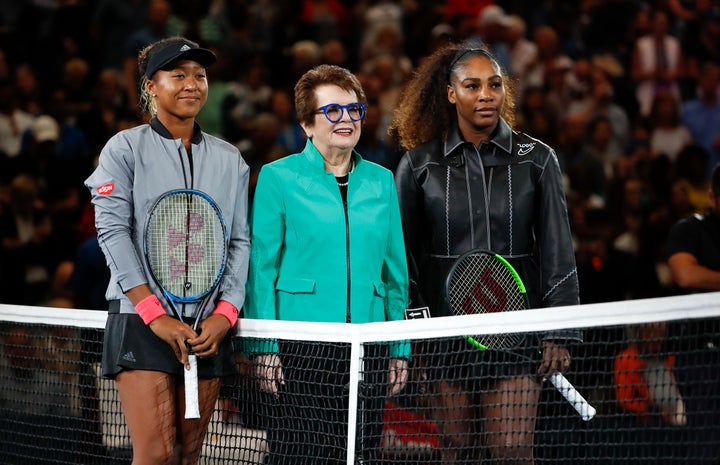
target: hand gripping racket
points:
(484, 282)
(186, 244)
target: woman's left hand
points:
(556, 357)
(397, 375)
(214, 328)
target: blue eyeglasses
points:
(334, 111)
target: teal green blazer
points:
(305, 265)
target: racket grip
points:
(568, 391)
(192, 408)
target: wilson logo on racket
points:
(488, 293)
(106, 189)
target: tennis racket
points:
(186, 243)
(484, 282)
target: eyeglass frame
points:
(343, 109)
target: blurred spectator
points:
(372, 145)
(550, 54)
(688, 176)
(108, 105)
(13, 122)
(537, 116)
(656, 63)
(111, 24)
(491, 24)
(245, 98)
(668, 136)
(26, 248)
(75, 91)
(334, 52)
(644, 380)
(593, 93)
(159, 23)
(702, 114)
(323, 20)
(523, 52)
(29, 89)
(290, 136)
(693, 250)
(585, 173)
(90, 276)
(600, 144)
(260, 146)
(697, 25)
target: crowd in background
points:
(626, 91)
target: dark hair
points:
(424, 112)
(715, 180)
(161, 52)
(305, 97)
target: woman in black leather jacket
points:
(467, 181)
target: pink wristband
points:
(150, 309)
(227, 310)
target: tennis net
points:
(649, 369)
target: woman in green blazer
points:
(327, 246)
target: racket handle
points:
(568, 391)
(192, 408)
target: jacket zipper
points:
(347, 257)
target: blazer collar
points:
(315, 159)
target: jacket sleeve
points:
(557, 257)
(233, 290)
(111, 190)
(409, 198)
(267, 225)
(395, 271)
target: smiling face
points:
(180, 91)
(333, 139)
(478, 93)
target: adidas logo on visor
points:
(184, 47)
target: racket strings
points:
(482, 284)
(186, 244)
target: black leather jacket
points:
(505, 196)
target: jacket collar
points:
(162, 130)
(502, 138)
(314, 157)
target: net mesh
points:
(650, 368)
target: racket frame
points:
(190, 375)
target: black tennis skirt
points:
(130, 344)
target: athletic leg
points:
(148, 401)
(192, 432)
(509, 413)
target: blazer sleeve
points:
(395, 272)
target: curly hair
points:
(424, 112)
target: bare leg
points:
(455, 415)
(148, 401)
(510, 411)
(192, 432)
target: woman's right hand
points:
(269, 371)
(175, 333)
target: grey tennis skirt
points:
(129, 344)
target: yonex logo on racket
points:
(106, 189)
